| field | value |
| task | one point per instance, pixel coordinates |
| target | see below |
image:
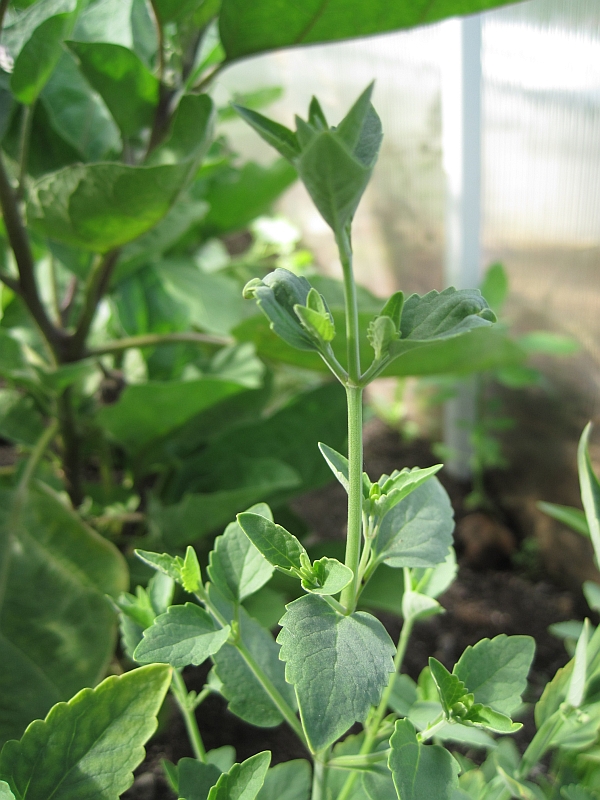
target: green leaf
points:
(145, 412)
(238, 196)
(437, 315)
(78, 115)
(288, 781)
(397, 486)
(214, 302)
(89, 746)
(184, 635)
(191, 131)
(57, 628)
(575, 792)
(590, 489)
(278, 546)
(450, 688)
(195, 779)
(495, 670)
(577, 684)
(236, 567)
(338, 665)
(573, 518)
(40, 54)
(277, 295)
(5, 792)
(243, 781)
(524, 790)
(494, 287)
(591, 592)
(417, 532)
(330, 577)
(244, 693)
(19, 29)
(262, 25)
(419, 606)
(278, 136)
(171, 10)
(334, 178)
(420, 772)
(378, 786)
(102, 206)
(337, 463)
(199, 514)
(485, 717)
(126, 85)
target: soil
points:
(490, 596)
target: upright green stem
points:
(355, 460)
(355, 445)
(180, 693)
(320, 774)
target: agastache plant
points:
(333, 664)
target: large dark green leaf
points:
(199, 514)
(101, 206)
(77, 113)
(126, 85)
(191, 131)
(268, 24)
(237, 196)
(146, 412)
(88, 747)
(291, 435)
(37, 59)
(57, 628)
(339, 666)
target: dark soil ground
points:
(490, 596)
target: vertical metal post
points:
(461, 138)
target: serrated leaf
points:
(417, 532)
(126, 85)
(450, 688)
(278, 546)
(437, 315)
(590, 489)
(195, 779)
(236, 566)
(330, 577)
(278, 136)
(243, 781)
(337, 463)
(40, 54)
(288, 781)
(98, 207)
(244, 693)
(169, 565)
(89, 746)
(399, 485)
(495, 670)
(184, 635)
(420, 772)
(338, 665)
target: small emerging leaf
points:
(185, 572)
(419, 606)
(450, 688)
(393, 308)
(191, 579)
(381, 333)
(278, 136)
(330, 577)
(243, 781)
